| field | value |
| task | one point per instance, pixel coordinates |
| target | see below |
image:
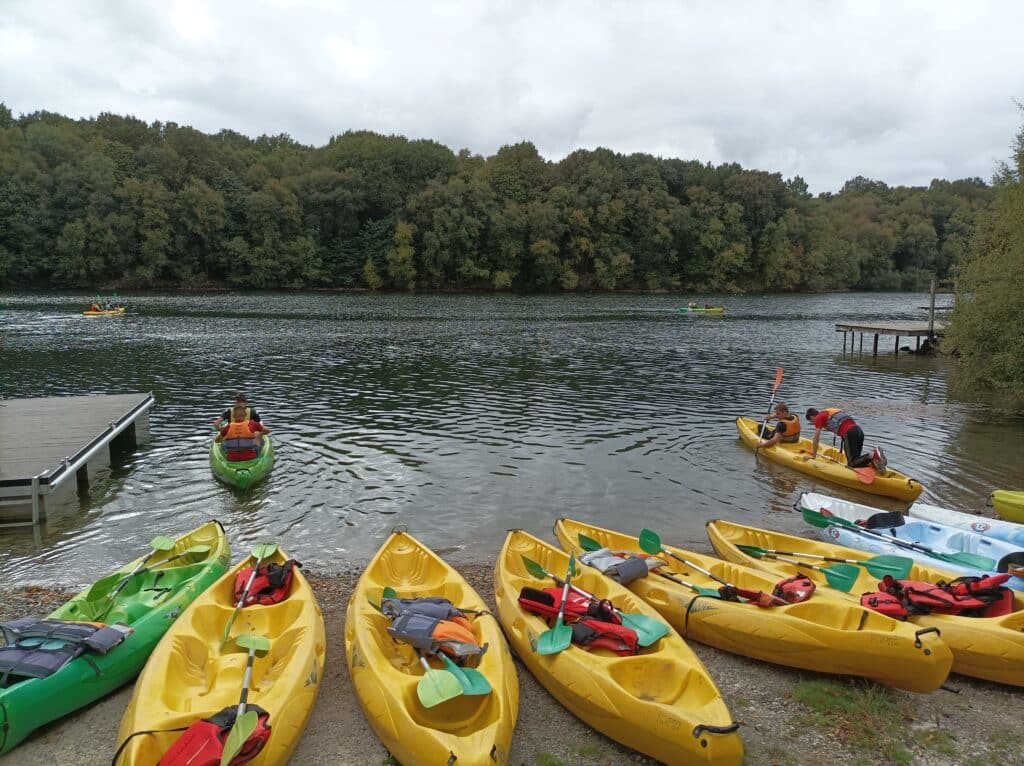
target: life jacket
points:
(38, 648)
(622, 566)
(432, 625)
(270, 586)
(836, 417)
(795, 589)
(202, 744)
(792, 434)
(595, 625)
(239, 443)
(965, 596)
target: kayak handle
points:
(703, 727)
(921, 632)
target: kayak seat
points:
(647, 677)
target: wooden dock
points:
(45, 441)
(916, 330)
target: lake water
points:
(464, 416)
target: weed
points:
(546, 759)
(936, 739)
(589, 751)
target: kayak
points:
(470, 730)
(660, 702)
(991, 648)
(829, 465)
(819, 634)
(1009, 505)
(105, 312)
(147, 603)
(192, 676)
(242, 473)
(990, 553)
(982, 525)
(713, 310)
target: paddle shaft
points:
(245, 681)
(775, 388)
(865, 474)
(700, 569)
(579, 591)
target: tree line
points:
(112, 201)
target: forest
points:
(115, 202)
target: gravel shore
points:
(778, 724)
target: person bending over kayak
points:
(242, 436)
(787, 430)
(240, 400)
(842, 425)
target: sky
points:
(902, 92)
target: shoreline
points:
(780, 721)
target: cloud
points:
(899, 92)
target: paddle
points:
(157, 544)
(879, 566)
(969, 560)
(245, 723)
(884, 520)
(436, 686)
(590, 544)
(841, 576)
(650, 542)
(1010, 562)
(865, 475)
(764, 423)
(647, 629)
(260, 552)
(558, 638)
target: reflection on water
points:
(463, 416)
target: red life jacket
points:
(795, 589)
(595, 625)
(202, 744)
(270, 586)
(965, 596)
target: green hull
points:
(243, 473)
(28, 704)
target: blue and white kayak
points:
(981, 525)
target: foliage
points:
(114, 201)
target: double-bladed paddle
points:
(841, 576)
(245, 722)
(963, 558)
(764, 423)
(157, 544)
(647, 629)
(259, 552)
(879, 566)
(558, 638)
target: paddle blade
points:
(649, 541)
(778, 380)
(589, 543)
(885, 520)
(841, 576)
(972, 560)
(555, 640)
(244, 726)
(254, 642)
(1010, 562)
(389, 592)
(474, 683)
(161, 543)
(647, 629)
(897, 566)
(820, 520)
(572, 565)
(752, 550)
(263, 551)
(436, 686)
(535, 569)
(865, 475)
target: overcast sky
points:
(898, 91)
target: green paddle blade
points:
(436, 686)
(649, 541)
(161, 543)
(841, 576)
(388, 592)
(648, 630)
(555, 640)
(589, 543)
(252, 641)
(263, 551)
(474, 683)
(535, 569)
(244, 726)
(897, 566)
(753, 550)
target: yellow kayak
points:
(467, 730)
(819, 634)
(105, 312)
(983, 647)
(1009, 505)
(829, 465)
(190, 676)
(661, 702)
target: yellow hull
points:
(891, 484)
(991, 648)
(190, 676)
(1009, 505)
(474, 730)
(820, 634)
(105, 313)
(659, 702)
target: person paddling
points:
(241, 401)
(845, 427)
(787, 430)
(243, 435)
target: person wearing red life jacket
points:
(787, 430)
(845, 427)
(242, 436)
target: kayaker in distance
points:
(845, 427)
(691, 305)
(787, 430)
(239, 400)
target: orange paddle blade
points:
(778, 379)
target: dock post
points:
(917, 345)
(82, 478)
(862, 343)
(874, 351)
(931, 315)
(35, 501)
(897, 345)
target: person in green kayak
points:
(787, 430)
(242, 435)
(240, 401)
(845, 427)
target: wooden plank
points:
(906, 329)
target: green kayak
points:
(242, 473)
(713, 310)
(144, 607)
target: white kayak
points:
(982, 525)
(949, 548)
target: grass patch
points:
(589, 751)
(863, 715)
(547, 759)
(939, 740)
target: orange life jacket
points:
(239, 442)
(792, 434)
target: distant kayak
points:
(714, 310)
(105, 312)
(1009, 505)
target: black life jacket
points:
(595, 625)
(38, 648)
(270, 586)
(202, 744)
(433, 624)
(964, 596)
